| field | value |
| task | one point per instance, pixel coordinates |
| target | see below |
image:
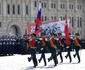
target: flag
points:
(38, 20)
(66, 30)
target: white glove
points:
(40, 39)
(45, 39)
(67, 47)
(41, 48)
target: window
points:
(26, 9)
(80, 21)
(72, 22)
(8, 9)
(69, 6)
(55, 17)
(80, 6)
(42, 5)
(45, 18)
(61, 6)
(77, 21)
(51, 17)
(18, 9)
(45, 5)
(61, 18)
(0, 8)
(35, 4)
(0, 24)
(51, 5)
(35, 20)
(13, 7)
(54, 5)
(72, 6)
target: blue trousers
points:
(77, 52)
(33, 56)
(69, 54)
(43, 56)
(53, 56)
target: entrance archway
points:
(14, 30)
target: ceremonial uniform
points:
(33, 50)
(4, 47)
(77, 47)
(9, 46)
(12, 45)
(17, 47)
(53, 51)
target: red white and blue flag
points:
(38, 20)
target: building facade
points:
(15, 14)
